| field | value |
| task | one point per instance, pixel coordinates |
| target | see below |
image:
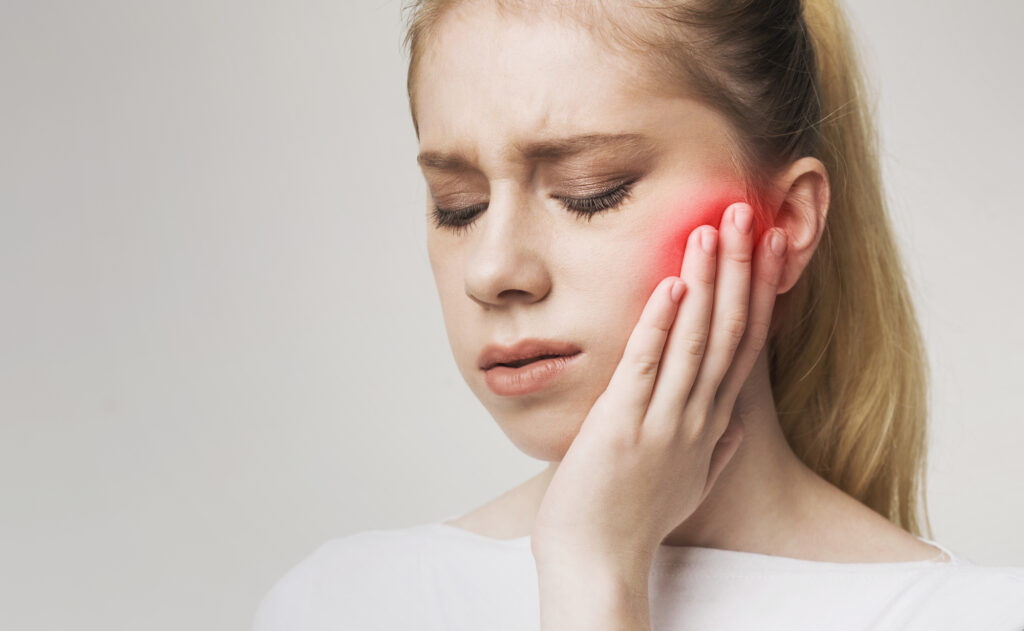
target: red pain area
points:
(685, 217)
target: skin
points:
(528, 267)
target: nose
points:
(506, 264)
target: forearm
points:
(575, 597)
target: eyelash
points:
(460, 220)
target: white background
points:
(220, 342)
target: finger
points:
(688, 338)
(723, 452)
(629, 390)
(767, 273)
(732, 300)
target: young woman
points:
(665, 265)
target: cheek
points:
(677, 220)
(657, 252)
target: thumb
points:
(724, 450)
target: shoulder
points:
(987, 583)
(968, 596)
(347, 582)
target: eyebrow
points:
(634, 146)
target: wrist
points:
(559, 557)
(593, 595)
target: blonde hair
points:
(847, 360)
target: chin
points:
(542, 436)
(543, 425)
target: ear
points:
(800, 206)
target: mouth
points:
(524, 352)
(530, 375)
(530, 360)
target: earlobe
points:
(802, 212)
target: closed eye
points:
(459, 220)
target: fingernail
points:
(707, 240)
(742, 218)
(677, 290)
(778, 243)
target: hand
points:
(655, 441)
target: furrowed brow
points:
(633, 146)
(559, 148)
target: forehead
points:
(504, 81)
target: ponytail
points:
(848, 363)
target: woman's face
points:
(514, 117)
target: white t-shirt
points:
(439, 577)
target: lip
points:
(510, 381)
(524, 349)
